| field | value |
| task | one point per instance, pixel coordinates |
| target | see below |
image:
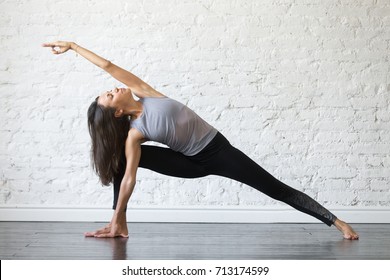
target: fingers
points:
(55, 51)
(47, 45)
(111, 235)
(57, 47)
(51, 44)
(107, 234)
(104, 235)
(97, 232)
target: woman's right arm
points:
(137, 86)
(118, 225)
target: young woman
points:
(119, 124)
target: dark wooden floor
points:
(43, 240)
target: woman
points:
(119, 124)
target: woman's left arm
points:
(137, 86)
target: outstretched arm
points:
(137, 86)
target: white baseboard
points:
(190, 215)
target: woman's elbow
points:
(106, 65)
(130, 182)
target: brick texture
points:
(301, 86)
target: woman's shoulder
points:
(134, 135)
(147, 92)
(153, 99)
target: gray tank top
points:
(170, 122)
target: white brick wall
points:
(301, 86)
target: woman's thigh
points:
(164, 161)
(234, 164)
(171, 163)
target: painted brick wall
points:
(301, 86)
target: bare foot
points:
(346, 229)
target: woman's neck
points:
(135, 110)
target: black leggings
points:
(219, 157)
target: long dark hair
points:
(108, 134)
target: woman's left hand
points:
(59, 47)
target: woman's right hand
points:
(103, 230)
(59, 47)
(116, 228)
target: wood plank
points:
(65, 240)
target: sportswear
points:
(170, 122)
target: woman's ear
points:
(118, 113)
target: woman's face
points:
(117, 98)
